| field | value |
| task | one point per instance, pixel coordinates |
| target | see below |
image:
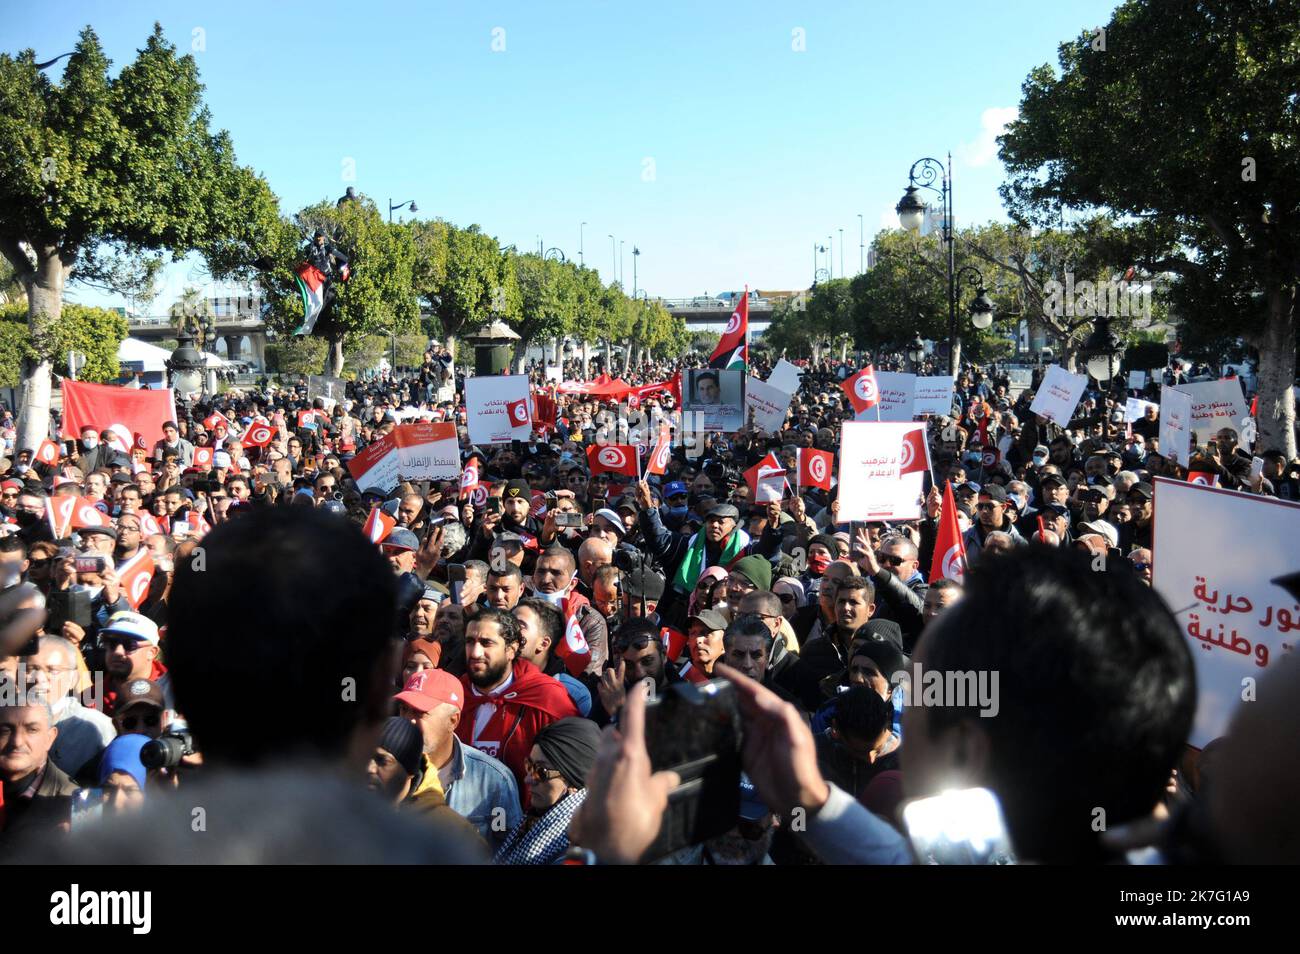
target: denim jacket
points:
(483, 791)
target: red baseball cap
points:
(432, 687)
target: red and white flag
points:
(259, 435)
(949, 549)
(518, 412)
(674, 641)
(862, 390)
(614, 459)
(573, 647)
(48, 452)
(378, 525)
(1203, 478)
(213, 419)
(916, 452)
(58, 511)
(733, 347)
(86, 514)
(660, 454)
(768, 467)
(120, 439)
(545, 412)
(691, 673)
(198, 524)
(149, 524)
(203, 458)
(135, 575)
(815, 468)
(469, 479)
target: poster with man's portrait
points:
(715, 399)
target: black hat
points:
(401, 738)
(1052, 479)
(994, 492)
(518, 488)
(881, 641)
(1143, 489)
(1060, 510)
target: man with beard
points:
(395, 760)
(637, 654)
(507, 699)
(542, 627)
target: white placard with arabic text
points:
(871, 485)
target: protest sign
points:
(487, 402)
(446, 394)
(554, 374)
(768, 404)
(1137, 380)
(871, 483)
(715, 398)
(785, 377)
(427, 451)
(1175, 424)
(376, 465)
(99, 405)
(1059, 395)
(933, 395)
(896, 393)
(1237, 622)
(1216, 405)
(1135, 409)
(770, 487)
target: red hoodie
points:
(532, 701)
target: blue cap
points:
(674, 489)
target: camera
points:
(168, 749)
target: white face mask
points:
(555, 599)
(89, 443)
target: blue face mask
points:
(678, 511)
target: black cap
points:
(881, 641)
(1053, 479)
(518, 488)
(1060, 510)
(994, 492)
(1144, 489)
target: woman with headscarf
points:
(702, 597)
(417, 656)
(122, 774)
(562, 756)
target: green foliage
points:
(1185, 127)
(548, 298)
(410, 350)
(294, 356)
(463, 276)
(378, 297)
(94, 332)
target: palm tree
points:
(188, 312)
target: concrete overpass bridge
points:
(236, 337)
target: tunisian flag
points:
(378, 525)
(916, 452)
(949, 550)
(660, 453)
(815, 468)
(733, 348)
(862, 390)
(573, 647)
(98, 405)
(544, 412)
(135, 575)
(614, 459)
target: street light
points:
(401, 205)
(981, 310)
(916, 350)
(555, 255)
(1103, 351)
(185, 367)
(911, 215)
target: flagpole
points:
(746, 327)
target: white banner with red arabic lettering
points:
(1058, 395)
(1236, 621)
(871, 483)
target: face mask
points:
(164, 565)
(89, 443)
(819, 563)
(1040, 460)
(555, 599)
(22, 468)
(677, 511)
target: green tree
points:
(378, 298)
(187, 312)
(548, 299)
(463, 277)
(96, 171)
(95, 333)
(294, 356)
(829, 314)
(1182, 122)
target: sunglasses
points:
(540, 772)
(785, 597)
(890, 559)
(129, 722)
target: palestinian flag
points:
(733, 348)
(311, 284)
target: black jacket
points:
(902, 603)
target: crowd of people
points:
(473, 684)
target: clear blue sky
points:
(691, 129)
